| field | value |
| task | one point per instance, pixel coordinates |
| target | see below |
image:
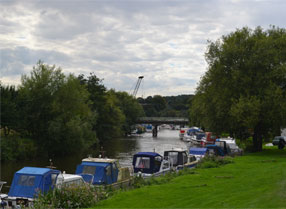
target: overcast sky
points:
(119, 40)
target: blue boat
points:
(28, 182)
(147, 164)
(103, 171)
(198, 152)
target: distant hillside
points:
(166, 106)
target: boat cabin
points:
(179, 158)
(150, 163)
(28, 181)
(99, 171)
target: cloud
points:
(120, 40)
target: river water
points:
(121, 148)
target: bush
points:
(70, 197)
(139, 181)
(214, 162)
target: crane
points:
(137, 85)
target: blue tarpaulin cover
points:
(153, 154)
(30, 180)
(100, 172)
(198, 151)
(154, 165)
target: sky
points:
(120, 40)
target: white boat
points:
(3, 203)
(179, 159)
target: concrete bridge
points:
(155, 121)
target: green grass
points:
(255, 180)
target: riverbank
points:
(256, 180)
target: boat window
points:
(108, 170)
(54, 178)
(185, 158)
(173, 156)
(114, 167)
(142, 162)
(89, 170)
(75, 182)
(158, 160)
(25, 180)
(166, 165)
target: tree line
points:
(243, 92)
(51, 113)
(166, 106)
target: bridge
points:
(155, 121)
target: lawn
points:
(255, 180)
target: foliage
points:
(140, 182)
(256, 180)
(9, 110)
(68, 197)
(105, 104)
(214, 162)
(26, 148)
(243, 91)
(116, 111)
(130, 108)
(169, 106)
(55, 111)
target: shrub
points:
(214, 161)
(70, 197)
(139, 181)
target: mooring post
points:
(155, 131)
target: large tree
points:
(243, 90)
(55, 111)
(106, 106)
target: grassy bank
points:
(253, 181)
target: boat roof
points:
(71, 176)
(153, 154)
(99, 160)
(176, 150)
(34, 170)
(198, 151)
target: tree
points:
(9, 109)
(106, 106)
(56, 110)
(243, 91)
(130, 108)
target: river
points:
(121, 148)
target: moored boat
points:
(27, 182)
(104, 171)
(2, 196)
(198, 152)
(179, 158)
(147, 164)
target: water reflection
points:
(122, 148)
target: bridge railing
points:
(163, 120)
